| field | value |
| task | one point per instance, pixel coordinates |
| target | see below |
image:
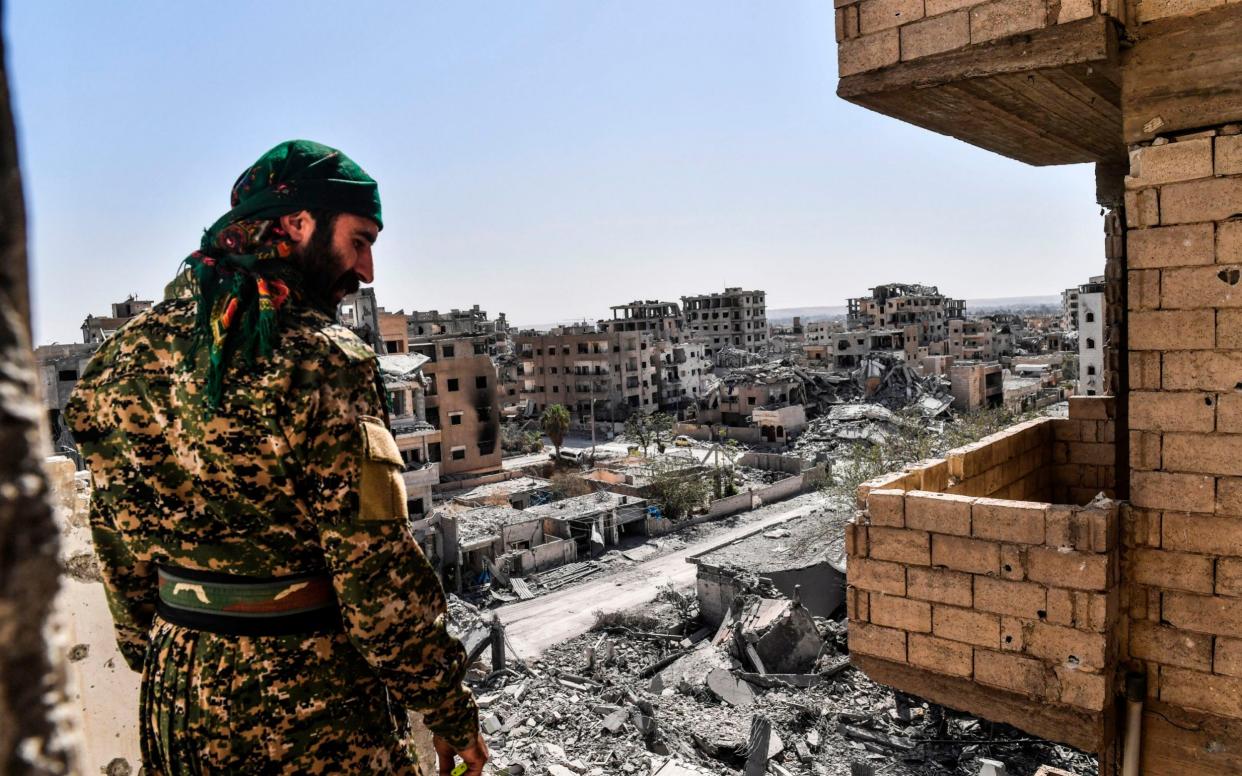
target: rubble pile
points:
(736, 357)
(816, 389)
(768, 692)
(892, 382)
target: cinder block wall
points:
(1183, 531)
(1064, 460)
(992, 604)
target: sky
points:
(544, 159)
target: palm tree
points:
(555, 422)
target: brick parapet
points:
(949, 575)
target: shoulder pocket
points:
(382, 489)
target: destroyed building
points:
(594, 374)
(1069, 309)
(1077, 577)
(359, 312)
(817, 332)
(847, 349)
(430, 325)
(735, 318)
(418, 441)
(802, 558)
(518, 492)
(663, 320)
(501, 540)
(972, 340)
(901, 305)
(60, 366)
(977, 385)
(680, 359)
(461, 401)
(97, 328)
(393, 334)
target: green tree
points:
(555, 422)
(724, 455)
(913, 440)
(647, 430)
(677, 485)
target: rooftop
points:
(483, 522)
(798, 543)
(580, 506)
(505, 488)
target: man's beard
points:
(323, 280)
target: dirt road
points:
(535, 625)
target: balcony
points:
(989, 581)
(421, 476)
(1037, 85)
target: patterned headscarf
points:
(240, 273)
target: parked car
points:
(683, 441)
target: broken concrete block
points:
(615, 721)
(992, 768)
(728, 688)
(783, 634)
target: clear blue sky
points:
(545, 159)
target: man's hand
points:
(473, 755)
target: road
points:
(533, 626)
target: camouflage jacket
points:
(292, 474)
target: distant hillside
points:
(1000, 304)
(1012, 303)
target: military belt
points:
(247, 606)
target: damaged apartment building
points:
(605, 375)
(443, 392)
(642, 360)
(60, 365)
(735, 319)
(920, 313)
(921, 327)
(680, 358)
(1080, 578)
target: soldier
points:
(248, 510)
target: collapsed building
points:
(922, 312)
(1078, 577)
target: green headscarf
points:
(241, 274)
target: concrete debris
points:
(729, 689)
(590, 706)
(992, 768)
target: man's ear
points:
(299, 226)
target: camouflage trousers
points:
(265, 705)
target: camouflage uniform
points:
(293, 474)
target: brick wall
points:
(951, 575)
(1183, 530)
(1065, 460)
(874, 34)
